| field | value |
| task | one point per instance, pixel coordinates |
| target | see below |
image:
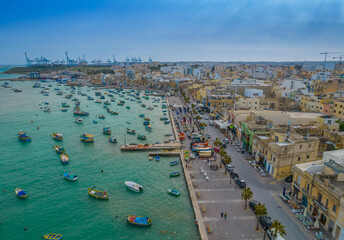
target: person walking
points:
(221, 214)
(225, 215)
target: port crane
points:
(329, 53)
(340, 58)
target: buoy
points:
(31, 121)
(37, 127)
(25, 228)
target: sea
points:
(56, 205)
(7, 76)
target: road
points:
(262, 192)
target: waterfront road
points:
(262, 192)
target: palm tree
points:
(227, 159)
(260, 210)
(277, 229)
(222, 153)
(217, 143)
(246, 195)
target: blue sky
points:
(172, 30)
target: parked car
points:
(224, 145)
(289, 179)
(207, 136)
(241, 183)
(225, 140)
(206, 118)
(252, 204)
(229, 168)
(211, 123)
(234, 174)
(265, 221)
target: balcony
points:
(316, 202)
(305, 191)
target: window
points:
(307, 156)
(334, 208)
(334, 111)
(310, 145)
(301, 146)
(298, 159)
(340, 112)
(274, 159)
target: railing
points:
(320, 204)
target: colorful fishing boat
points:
(141, 115)
(112, 140)
(52, 236)
(163, 118)
(139, 221)
(167, 122)
(87, 138)
(58, 149)
(22, 136)
(141, 137)
(146, 118)
(78, 120)
(130, 131)
(146, 123)
(77, 111)
(100, 116)
(173, 192)
(149, 128)
(175, 174)
(70, 176)
(20, 193)
(64, 109)
(133, 186)
(157, 158)
(107, 131)
(174, 163)
(98, 194)
(64, 157)
(57, 136)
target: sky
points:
(172, 30)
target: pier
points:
(167, 153)
(150, 147)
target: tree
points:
(222, 153)
(227, 159)
(260, 210)
(202, 125)
(246, 195)
(277, 229)
(217, 143)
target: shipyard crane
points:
(29, 62)
(329, 53)
(340, 58)
(150, 60)
(114, 59)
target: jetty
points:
(165, 153)
(150, 147)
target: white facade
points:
(323, 76)
(248, 104)
(251, 93)
(292, 85)
(337, 156)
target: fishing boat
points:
(133, 186)
(112, 140)
(78, 120)
(106, 103)
(141, 115)
(150, 158)
(70, 176)
(87, 138)
(173, 192)
(127, 107)
(98, 101)
(163, 118)
(157, 158)
(58, 149)
(149, 128)
(150, 108)
(95, 121)
(77, 111)
(164, 110)
(53, 236)
(146, 118)
(141, 136)
(23, 137)
(100, 116)
(174, 174)
(90, 98)
(168, 135)
(64, 157)
(130, 131)
(20, 193)
(98, 194)
(174, 163)
(57, 136)
(115, 113)
(47, 109)
(64, 109)
(139, 221)
(146, 123)
(143, 105)
(167, 122)
(102, 97)
(156, 105)
(64, 104)
(107, 131)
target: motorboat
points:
(95, 121)
(100, 116)
(174, 163)
(52, 236)
(78, 120)
(98, 194)
(173, 192)
(141, 115)
(127, 107)
(139, 221)
(98, 101)
(150, 108)
(167, 122)
(133, 186)
(146, 123)
(70, 176)
(64, 157)
(77, 111)
(163, 118)
(175, 174)
(112, 140)
(64, 109)
(149, 128)
(157, 158)
(22, 136)
(20, 193)
(57, 136)
(58, 149)
(130, 131)
(87, 138)
(107, 131)
(47, 109)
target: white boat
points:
(133, 186)
(78, 120)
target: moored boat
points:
(22, 136)
(53, 236)
(146, 118)
(64, 109)
(174, 163)
(141, 136)
(77, 111)
(142, 115)
(133, 186)
(146, 123)
(100, 116)
(20, 193)
(64, 157)
(78, 120)
(130, 131)
(112, 140)
(139, 221)
(157, 158)
(70, 176)
(87, 138)
(98, 194)
(57, 136)
(173, 192)
(174, 174)
(58, 149)
(149, 127)
(107, 131)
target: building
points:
(248, 104)
(252, 93)
(319, 187)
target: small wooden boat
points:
(130, 131)
(174, 163)
(112, 140)
(174, 174)
(146, 118)
(57, 136)
(141, 115)
(127, 107)
(78, 120)
(70, 176)
(100, 116)
(163, 118)
(167, 122)
(87, 138)
(149, 128)
(95, 121)
(141, 137)
(64, 157)
(150, 158)
(139, 221)
(107, 131)
(157, 158)
(53, 236)
(133, 186)
(23, 137)
(173, 192)
(146, 123)
(98, 194)
(20, 193)
(58, 149)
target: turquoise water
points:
(7, 76)
(59, 206)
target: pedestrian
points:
(221, 214)
(225, 215)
